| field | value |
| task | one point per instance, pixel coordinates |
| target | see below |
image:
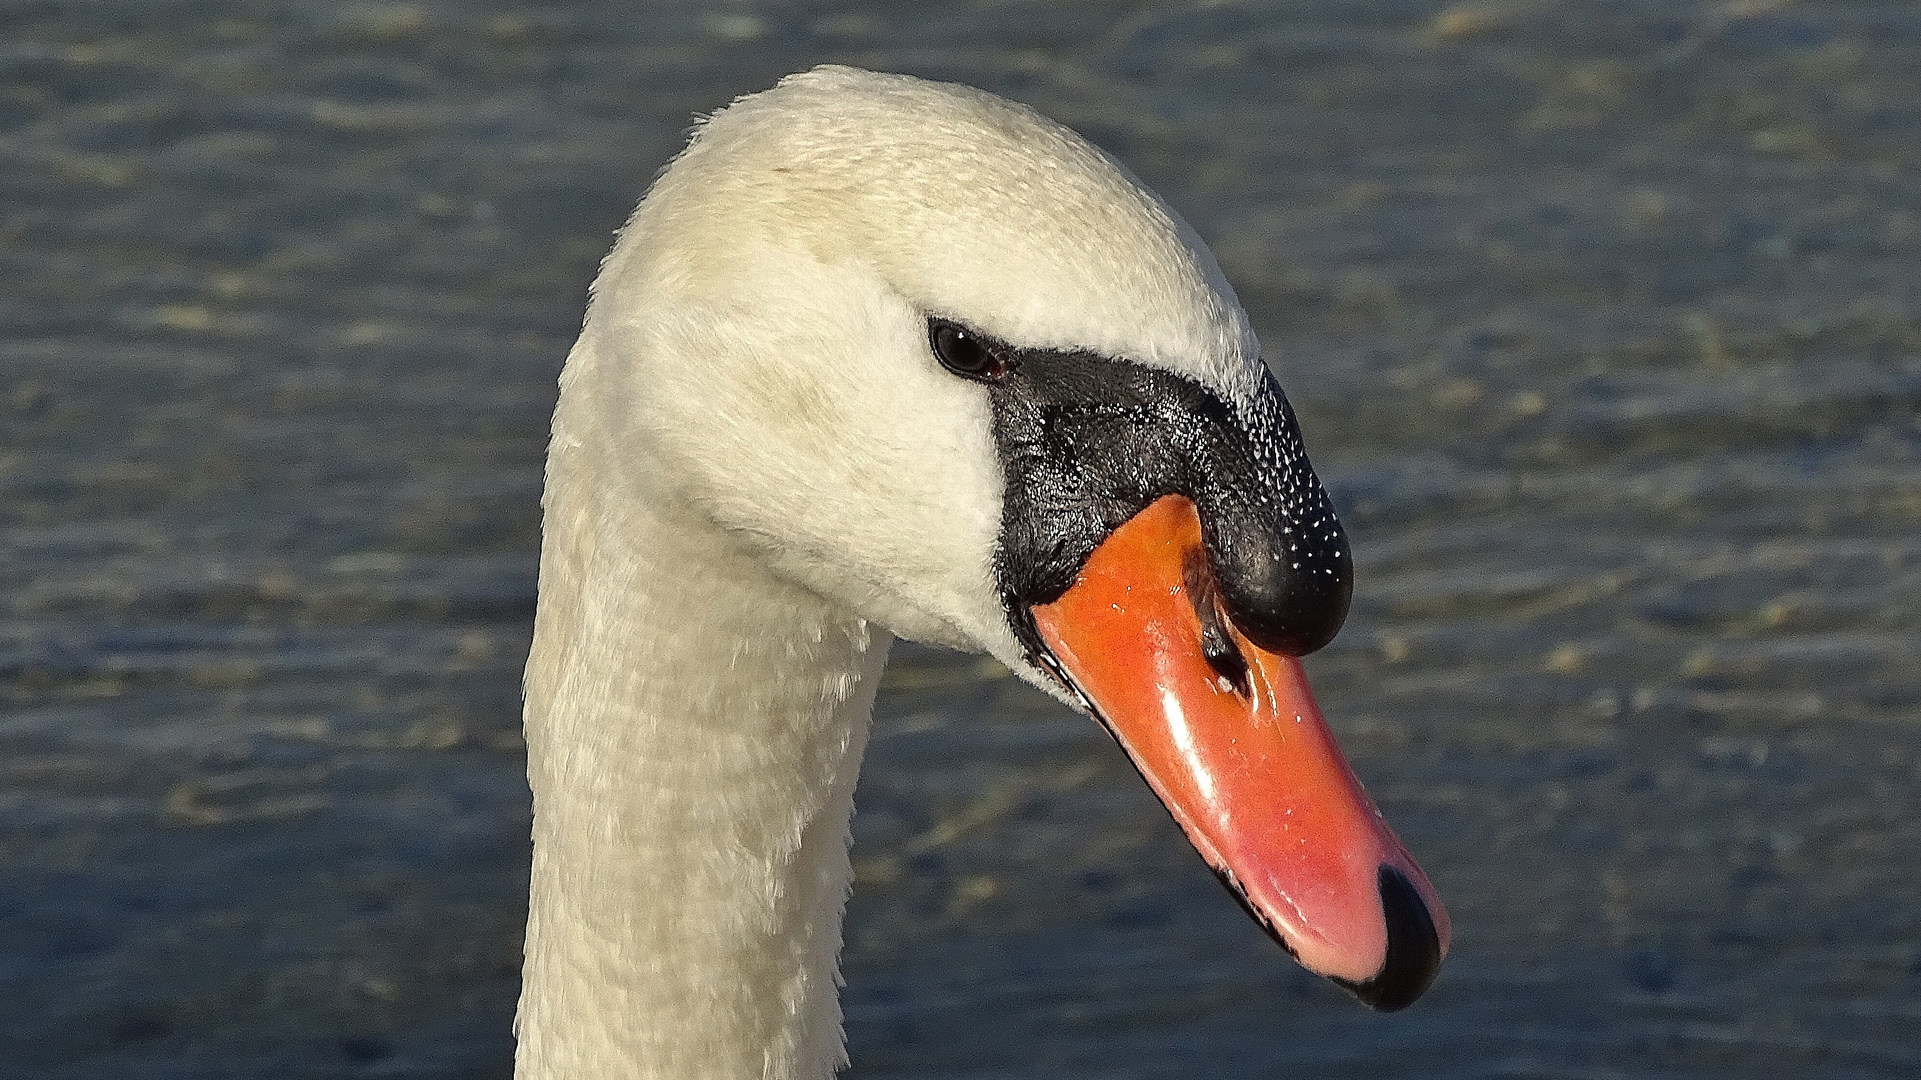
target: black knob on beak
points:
(1287, 587)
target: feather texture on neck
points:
(694, 730)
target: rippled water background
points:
(1602, 323)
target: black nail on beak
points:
(1413, 948)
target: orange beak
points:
(1229, 737)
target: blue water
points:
(1602, 324)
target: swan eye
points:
(966, 353)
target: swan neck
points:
(694, 729)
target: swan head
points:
(939, 360)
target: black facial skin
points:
(1088, 441)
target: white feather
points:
(757, 465)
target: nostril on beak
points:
(1218, 647)
(1413, 947)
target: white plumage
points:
(758, 476)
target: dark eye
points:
(966, 353)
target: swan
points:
(878, 357)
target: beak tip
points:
(1413, 948)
